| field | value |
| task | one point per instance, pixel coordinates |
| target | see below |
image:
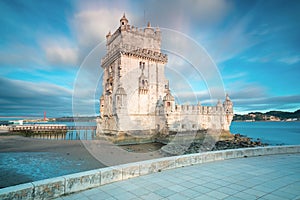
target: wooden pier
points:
(49, 128)
(56, 131)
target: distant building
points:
(136, 97)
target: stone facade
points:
(136, 99)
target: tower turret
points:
(169, 102)
(123, 21)
(228, 105)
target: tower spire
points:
(123, 20)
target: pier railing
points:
(56, 131)
(49, 128)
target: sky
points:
(50, 51)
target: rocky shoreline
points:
(212, 144)
(239, 141)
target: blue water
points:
(93, 123)
(273, 133)
(71, 134)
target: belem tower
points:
(136, 100)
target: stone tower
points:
(136, 100)
(133, 79)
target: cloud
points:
(248, 91)
(290, 59)
(231, 40)
(184, 16)
(274, 57)
(59, 51)
(289, 102)
(92, 25)
(62, 56)
(18, 55)
(235, 76)
(31, 98)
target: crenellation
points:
(136, 95)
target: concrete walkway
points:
(266, 177)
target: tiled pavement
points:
(266, 177)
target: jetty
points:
(55, 131)
(48, 127)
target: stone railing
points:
(55, 187)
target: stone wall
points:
(55, 187)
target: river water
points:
(20, 167)
(273, 133)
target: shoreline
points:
(50, 158)
(74, 153)
(27, 152)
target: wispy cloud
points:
(91, 26)
(290, 59)
(289, 102)
(235, 76)
(27, 97)
(61, 55)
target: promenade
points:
(263, 177)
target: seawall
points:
(59, 186)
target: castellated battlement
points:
(136, 42)
(136, 101)
(127, 35)
(133, 51)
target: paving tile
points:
(177, 196)
(151, 196)
(115, 191)
(188, 184)
(126, 195)
(237, 187)
(232, 198)
(74, 196)
(128, 187)
(297, 197)
(201, 189)
(191, 193)
(140, 191)
(217, 195)
(212, 186)
(177, 188)
(255, 193)
(244, 196)
(292, 189)
(92, 191)
(264, 188)
(108, 186)
(202, 197)
(153, 187)
(164, 192)
(271, 197)
(278, 177)
(227, 190)
(284, 195)
(101, 196)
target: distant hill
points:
(72, 119)
(268, 116)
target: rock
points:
(238, 141)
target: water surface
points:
(273, 133)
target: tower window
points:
(122, 23)
(168, 104)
